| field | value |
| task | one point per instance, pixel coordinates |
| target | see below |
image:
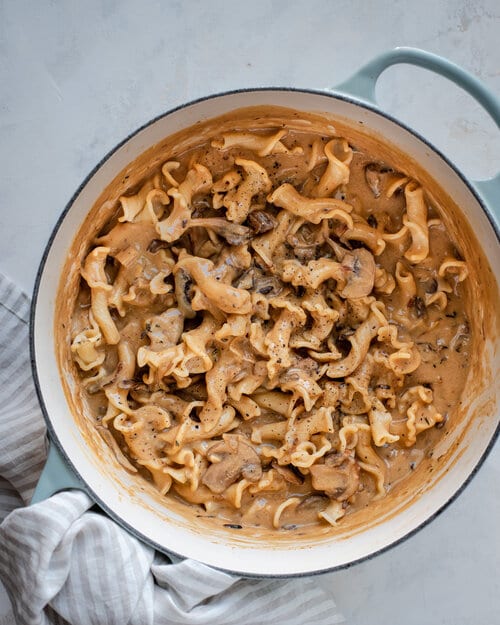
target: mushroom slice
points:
(255, 280)
(156, 245)
(246, 280)
(231, 459)
(288, 473)
(261, 222)
(267, 285)
(234, 234)
(360, 273)
(338, 477)
(312, 502)
(359, 270)
(183, 293)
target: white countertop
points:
(76, 77)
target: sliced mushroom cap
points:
(183, 286)
(234, 234)
(245, 281)
(338, 477)
(231, 459)
(306, 241)
(156, 245)
(313, 502)
(255, 280)
(359, 266)
(338, 249)
(267, 285)
(261, 222)
(359, 269)
(288, 473)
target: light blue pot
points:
(73, 463)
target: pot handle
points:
(489, 190)
(56, 476)
(362, 85)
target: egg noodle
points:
(262, 327)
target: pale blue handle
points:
(56, 476)
(362, 85)
(490, 192)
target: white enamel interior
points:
(151, 521)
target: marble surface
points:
(76, 77)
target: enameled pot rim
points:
(53, 437)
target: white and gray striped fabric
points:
(62, 561)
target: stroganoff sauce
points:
(358, 444)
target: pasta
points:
(262, 327)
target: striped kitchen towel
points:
(63, 562)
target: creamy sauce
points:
(444, 338)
